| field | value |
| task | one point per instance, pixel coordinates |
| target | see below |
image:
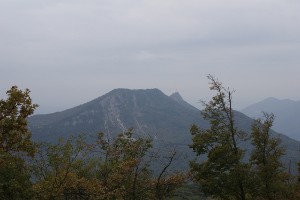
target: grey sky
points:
(68, 52)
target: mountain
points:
(287, 115)
(151, 113)
(178, 98)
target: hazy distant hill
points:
(287, 115)
(166, 119)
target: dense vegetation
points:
(123, 167)
(119, 168)
(225, 173)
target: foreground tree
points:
(110, 169)
(61, 170)
(15, 144)
(14, 111)
(222, 174)
(166, 183)
(125, 169)
(269, 176)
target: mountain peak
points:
(148, 111)
(126, 90)
(122, 91)
(176, 96)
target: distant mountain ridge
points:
(151, 113)
(148, 111)
(287, 114)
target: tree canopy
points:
(15, 144)
(223, 171)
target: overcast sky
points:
(68, 52)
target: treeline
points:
(224, 172)
(122, 167)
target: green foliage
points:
(15, 144)
(124, 170)
(60, 168)
(14, 134)
(222, 174)
(270, 179)
(14, 178)
(109, 169)
(225, 173)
